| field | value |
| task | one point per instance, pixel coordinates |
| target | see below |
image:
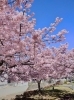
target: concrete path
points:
(8, 90)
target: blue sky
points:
(47, 10)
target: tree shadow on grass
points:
(61, 94)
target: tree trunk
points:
(39, 88)
(66, 79)
(9, 81)
(53, 88)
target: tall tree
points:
(22, 47)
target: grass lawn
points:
(60, 92)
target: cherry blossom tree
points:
(23, 48)
(11, 24)
(60, 62)
(14, 27)
(63, 62)
(71, 62)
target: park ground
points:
(60, 92)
